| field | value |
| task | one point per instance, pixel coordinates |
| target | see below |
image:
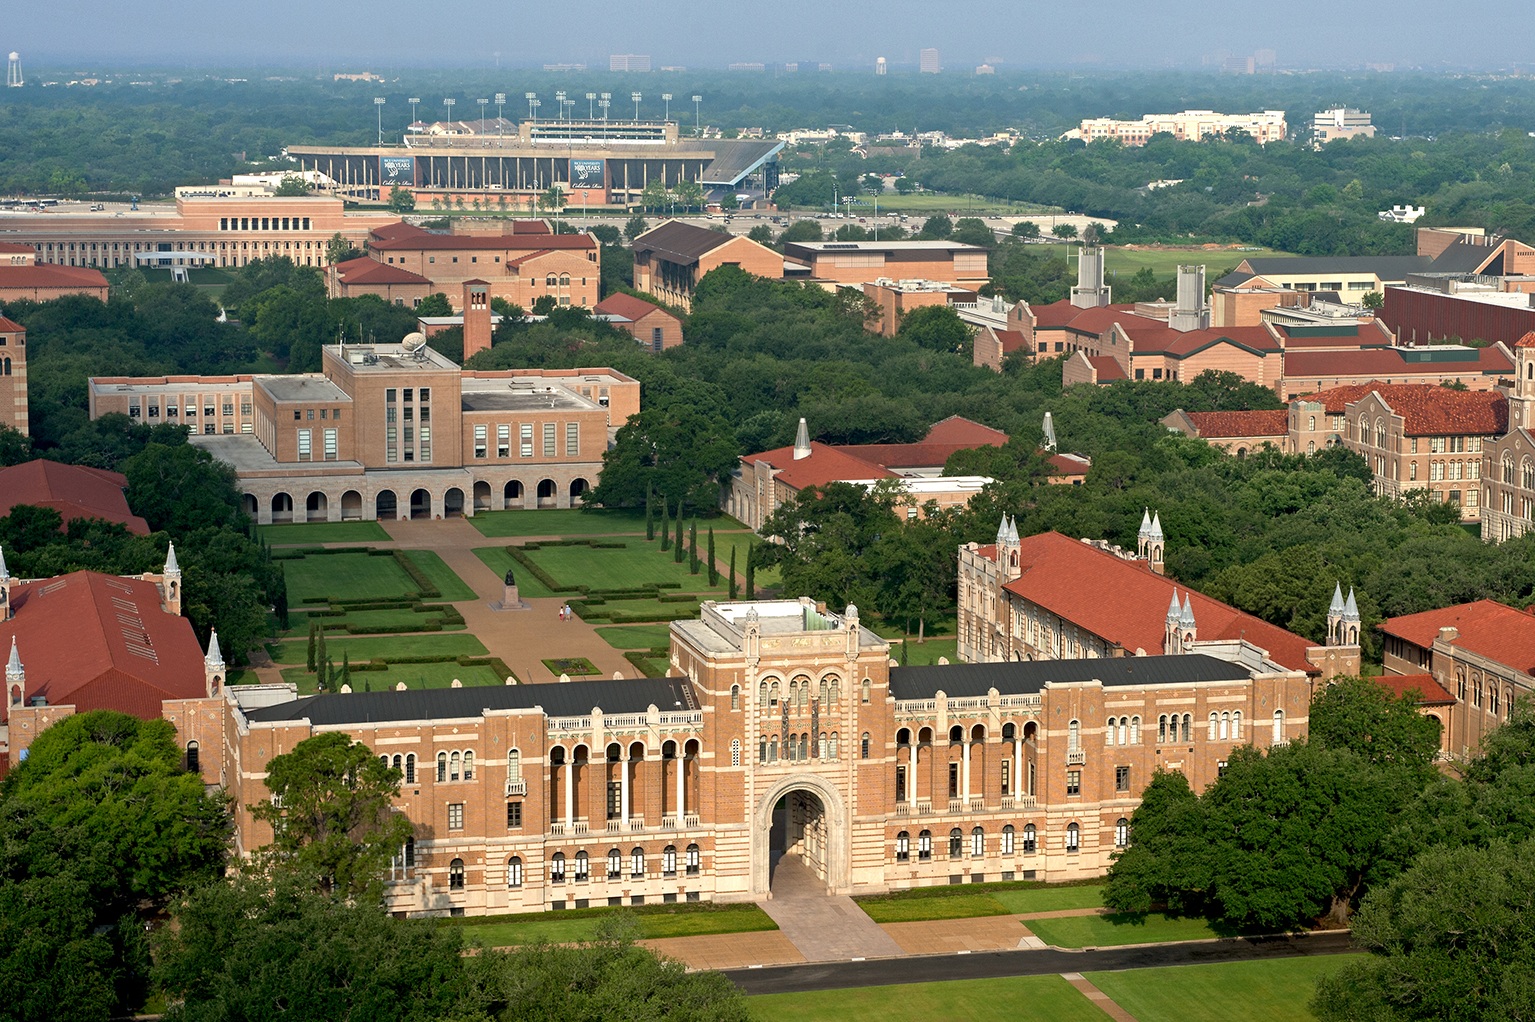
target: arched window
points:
(514, 765)
(977, 842)
(804, 747)
(1007, 839)
(866, 689)
(924, 846)
(1188, 727)
(1121, 735)
(456, 875)
(1278, 727)
(1122, 833)
(735, 697)
(1135, 730)
(1214, 723)
(637, 864)
(1108, 731)
(956, 843)
(564, 280)
(773, 694)
(695, 860)
(557, 868)
(773, 749)
(735, 752)
(1225, 726)
(762, 749)
(669, 861)
(583, 867)
(194, 757)
(396, 764)
(551, 280)
(514, 872)
(1073, 837)
(823, 747)
(903, 846)
(1312, 419)
(468, 766)
(410, 768)
(455, 764)
(762, 694)
(1236, 726)
(615, 864)
(442, 766)
(1162, 728)
(833, 746)
(863, 746)
(1074, 736)
(1030, 839)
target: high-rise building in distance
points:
(927, 62)
(629, 62)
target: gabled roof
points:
(103, 643)
(426, 241)
(681, 242)
(1107, 368)
(367, 270)
(826, 464)
(1387, 362)
(957, 429)
(1430, 692)
(1125, 603)
(72, 490)
(1501, 633)
(1068, 466)
(1460, 256)
(571, 699)
(1432, 410)
(625, 306)
(963, 681)
(1215, 425)
(10, 326)
(1335, 400)
(50, 275)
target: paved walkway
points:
(1104, 1002)
(729, 950)
(822, 927)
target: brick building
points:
(1237, 433)
(652, 326)
(74, 491)
(831, 263)
(13, 376)
(394, 430)
(671, 258)
(23, 278)
(784, 729)
(1508, 464)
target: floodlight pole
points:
(591, 113)
(666, 97)
(500, 101)
(378, 102)
(560, 95)
(636, 97)
(530, 97)
(413, 101)
(697, 128)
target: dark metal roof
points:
(680, 242)
(572, 699)
(1462, 257)
(1027, 677)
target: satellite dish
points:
(413, 342)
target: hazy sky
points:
(708, 33)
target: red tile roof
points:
(826, 464)
(1430, 692)
(99, 642)
(1527, 341)
(1063, 314)
(366, 270)
(1125, 603)
(957, 429)
(1068, 465)
(1335, 400)
(10, 326)
(1235, 424)
(1431, 410)
(1107, 368)
(50, 275)
(1010, 340)
(71, 490)
(629, 307)
(1383, 363)
(426, 241)
(1487, 628)
(15, 249)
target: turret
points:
(6, 613)
(802, 441)
(1143, 536)
(1172, 640)
(15, 678)
(1156, 545)
(1351, 620)
(172, 581)
(213, 665)
(1186, 626)
(1335, 617)
(1008, 548)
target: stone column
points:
(911, 779)
(682, 770)
(964, 773)
(623, 789)
(1016, 787)
(570, 793)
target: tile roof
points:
(1431, 410)
(1107, 368)
(681, 242)
(427, 241)
(1335, 400)
(14, 249)
(1430, 692)
(1527, 341)
(71, 490)
(572, 699)
(1068, 465)
(367, 270)
(1487, 628)
(826, 464)
(100, 642)
(957, 429)
(1388, 362)
(842, 462)
(50, 275)
(1096, 319)
(1236, 424)
(629, 307)
(10, 326)
(962, 681)
(1125, 603)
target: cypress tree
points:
(903, 652)
(751, 577)
(714, 571)
(346, 668)
(666, 538)
(280, 601)
(320, 659)
(309, 660)
(650, 520)
(677, 548)
(693, 561)
(734, 590)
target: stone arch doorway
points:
(385, 507)
(805, 817)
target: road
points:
(790, 979)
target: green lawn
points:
(380, 620)
(1015, 999)
(447, 583)
(765, 577)
(343, 577)
(636, 636)
(924, 654)
(979, 900)
(636, 565)
(497, 524)
(308, 534)
(499, 561)
(1108, 931)
(1164, 262)
(646, 609)
(414, 675)
(383, 647)
(1276, 990)
(650, 922)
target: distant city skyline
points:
(1121, 34)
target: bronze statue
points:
(509, 579)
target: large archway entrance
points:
(800, 837)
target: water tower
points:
(13, 71)
(880, 66)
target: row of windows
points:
(525, 439)
(263, 223)
(826, 693)
(797, 748)
(1493, 703)
(581, 863)
(1007, 844)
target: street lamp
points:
(636, 97)
(500, 122)
(590, 114)
(560, 95)
(378, 102)
(696, 100)
(530, 97)
(667, 98)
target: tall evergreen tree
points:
(678, 550)
(734, 590)
(320, 659)
(346, 668)
(309, 661)
(751, 577)
(714, 571)
(650, 520)
(693, 561)
(666, 538)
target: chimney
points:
(802, 442)
(1190, 312)
(476, 317)
(1090, 292)
(1449, 633)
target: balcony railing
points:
(518, 787)
(1076, 757)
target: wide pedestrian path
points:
(822, 927)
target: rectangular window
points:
(1122, 778)
(1073, 782)
(572, 439)
(303, 445)
(513, 815)
(548, 439)
(479, 441)
(330, 445)
(455, 816)
(503, 441)
(954, 780)
(525, 439)
(391, 440)
(426, 443)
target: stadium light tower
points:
(500, 102)
(666, 97)
(378, 103)
(559, 96)
(483, 103)
(591, 97)
(696, 100)
(636, 97)
(449, 103)
(605, 101)
(413, 101)
(530, 97)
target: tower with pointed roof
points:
(1007, 548)
(1188, 630)
(213, 665)
(6, 611)
(15, 678)
(1350, 620)
(1521, 398)
(171, 581)
(1156, 545)
(1335, 617)
(1172, 636)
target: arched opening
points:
(547, 492)
(351, 506)
(420, 504)
(249, 504)
(282, 507)
(578, 488)
(453, 503)
(316, 507)
(797, 844)
(482, 496)
(385, 506)
(511, 495)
